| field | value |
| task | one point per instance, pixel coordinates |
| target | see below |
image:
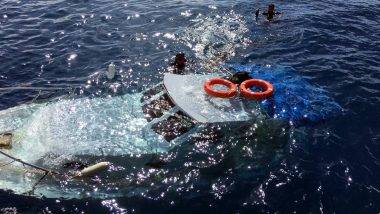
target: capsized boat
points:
(154, 121)
(55, 133)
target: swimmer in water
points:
(179, 63)
(269, 14)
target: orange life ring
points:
(232, 88)
(259, 95)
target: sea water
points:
(330, 166)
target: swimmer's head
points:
(180, 61)
(270, 7)
(180, 57)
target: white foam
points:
(216, 37)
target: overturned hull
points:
(56, 134)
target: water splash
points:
(217, 37)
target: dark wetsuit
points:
(179, 63)
(270, 15)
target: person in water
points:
(179, 63)
(239, 77)
(269, 14)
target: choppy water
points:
(326, 167)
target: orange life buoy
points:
(232, 88)
(258, 95)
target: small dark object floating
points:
(6, 140)
(156, 162)
(75, 165)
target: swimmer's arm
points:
(257, 13)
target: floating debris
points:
(6, 140)
(93, 169)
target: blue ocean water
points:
(332, 166)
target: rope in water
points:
(29, 164)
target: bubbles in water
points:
(157, 34)
(169, 36)
(72, 56)
(186, 13)
(212, 7)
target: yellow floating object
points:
(91, 170)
